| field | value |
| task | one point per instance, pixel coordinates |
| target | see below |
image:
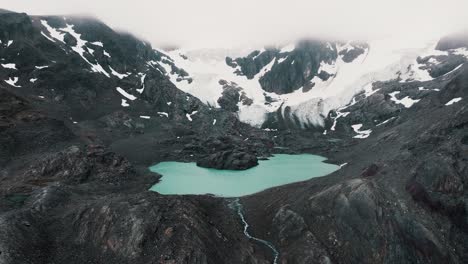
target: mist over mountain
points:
(215, 24)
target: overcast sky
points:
(240, 22)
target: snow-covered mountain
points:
(306, 80)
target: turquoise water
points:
(188, 178)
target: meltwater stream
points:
(186, 178)
(237, 207)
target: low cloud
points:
(227, 23)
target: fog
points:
(228, 23)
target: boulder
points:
(229, 160)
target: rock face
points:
(402, 190)
(231, 96)
(290, 69)
(229, 160)
(454, 41)
(74, 151)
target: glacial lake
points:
(281, 169)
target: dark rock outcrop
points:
(229, 160)
(231, 96)
(453, 41)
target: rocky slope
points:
(400, 198)
(84, 110)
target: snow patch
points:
(13, 81)
(335, 120)
(79, 48)
(125, 94)
(406, 101)
(124, 103)
(41, 67)
(189, 116)
(33, 80)
(47, 37)
(288, 48)
(117, 74)
(281, 60)
(163, 114)
(265, 69)
(461, 51)
(54, 33)
(386, 121)
(361, 134)
(458, 67)
(368, 90)
(142, 79)
(97, 43)
(9, 66)
(454, 100)
(145, 117)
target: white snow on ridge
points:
(406, 101)
(9, 66)
(13, 81)
(117, 74)
(454, 100)
(47, 37)
(9, 43)
(368, 90)
(125, 94)
(59, 34)
(265, 69)
(145, 117)
(41, 67)
(386, 121)
(347, 47)
(53, 32)
(288, 48)
(461, 51)
(385, 60)
(124, 103)
(456, 68)
(189, 116)
(206, 67)
(361, 134)
(97, 43)
(142, 79)
(339, 114)
(33, 80)
(80, 43)
(280, 60)
(163, 114)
